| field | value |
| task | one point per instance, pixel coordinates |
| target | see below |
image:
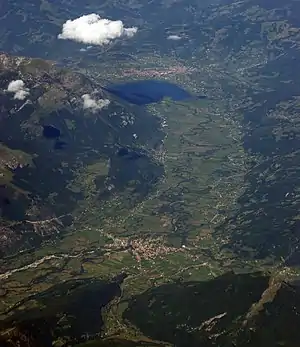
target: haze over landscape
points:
(149, 173)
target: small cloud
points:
(92, 29)
(15, 86)
(174, 37)
(92, 104)
(21, 94)
(18, 87)
(85, 49)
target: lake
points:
(145, 92)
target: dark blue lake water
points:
(50, 132)
(145, 92)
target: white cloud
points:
(18, 87)
(174, 37)
(85, 49)
(21, 94)
(92, 29)
(92, 104)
